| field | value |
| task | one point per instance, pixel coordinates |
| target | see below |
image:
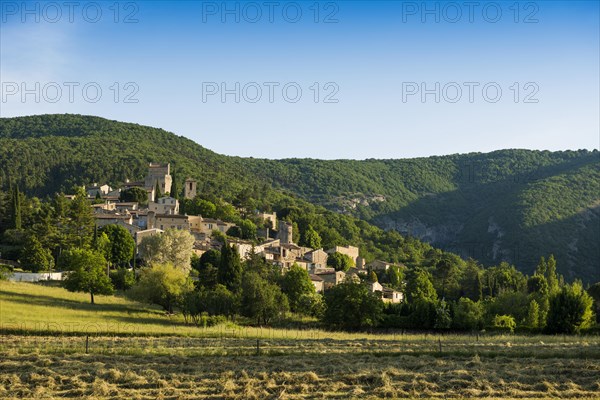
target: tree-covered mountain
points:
(512, 205)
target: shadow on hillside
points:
(161, 319)
(49, 301)
(462, 222)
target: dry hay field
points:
(172, 361)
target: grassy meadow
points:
(135, 351)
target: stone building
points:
(285, 232)
(160, 173)
(189, 190)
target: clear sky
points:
(345, 79)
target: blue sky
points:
(368, 61)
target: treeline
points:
(441, 290)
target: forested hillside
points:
(512, 205)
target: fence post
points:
(257, 347)
(87, 342)
(440, 344)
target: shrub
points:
(5, 271)
(122, 279)
(163, 285)
(504, 323)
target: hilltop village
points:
(275, 237)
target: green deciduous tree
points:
(162, 284)
(34, 257)
(219, 301)
(594, 291)
(87, 272)
(570, 310)
(351, 305)
(537, 284)
(122, 278)
(423, 313)
(248, 229)
(419, 285)
(468, 315)
(121, 244)
(339, 261)
(261, 299)
(394, 277)
(504, 323)
(134, 194)
(446, 275)
(471, 285)
(207, 266)
(310, 238)
(173, 246)
(199, 206)
(299, 289)
(504, 277)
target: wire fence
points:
(588, 348)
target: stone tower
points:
(190, 188)
(160, 173)
(284, 234)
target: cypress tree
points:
(230, 270)
(157, 193)
(174, 189)
(17, 208)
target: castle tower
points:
(284, 233)
(159, 173)
(190, 188)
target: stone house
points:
(124, 207)
(379, 265)
(164, 205)
(318, 282)
(168, 221)
(113, 218)
(350, 251)
(270, 218)
(318, 258)
(95, 189)
(390, 295)
(331, 279)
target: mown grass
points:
(308, 376)
(159, 357)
